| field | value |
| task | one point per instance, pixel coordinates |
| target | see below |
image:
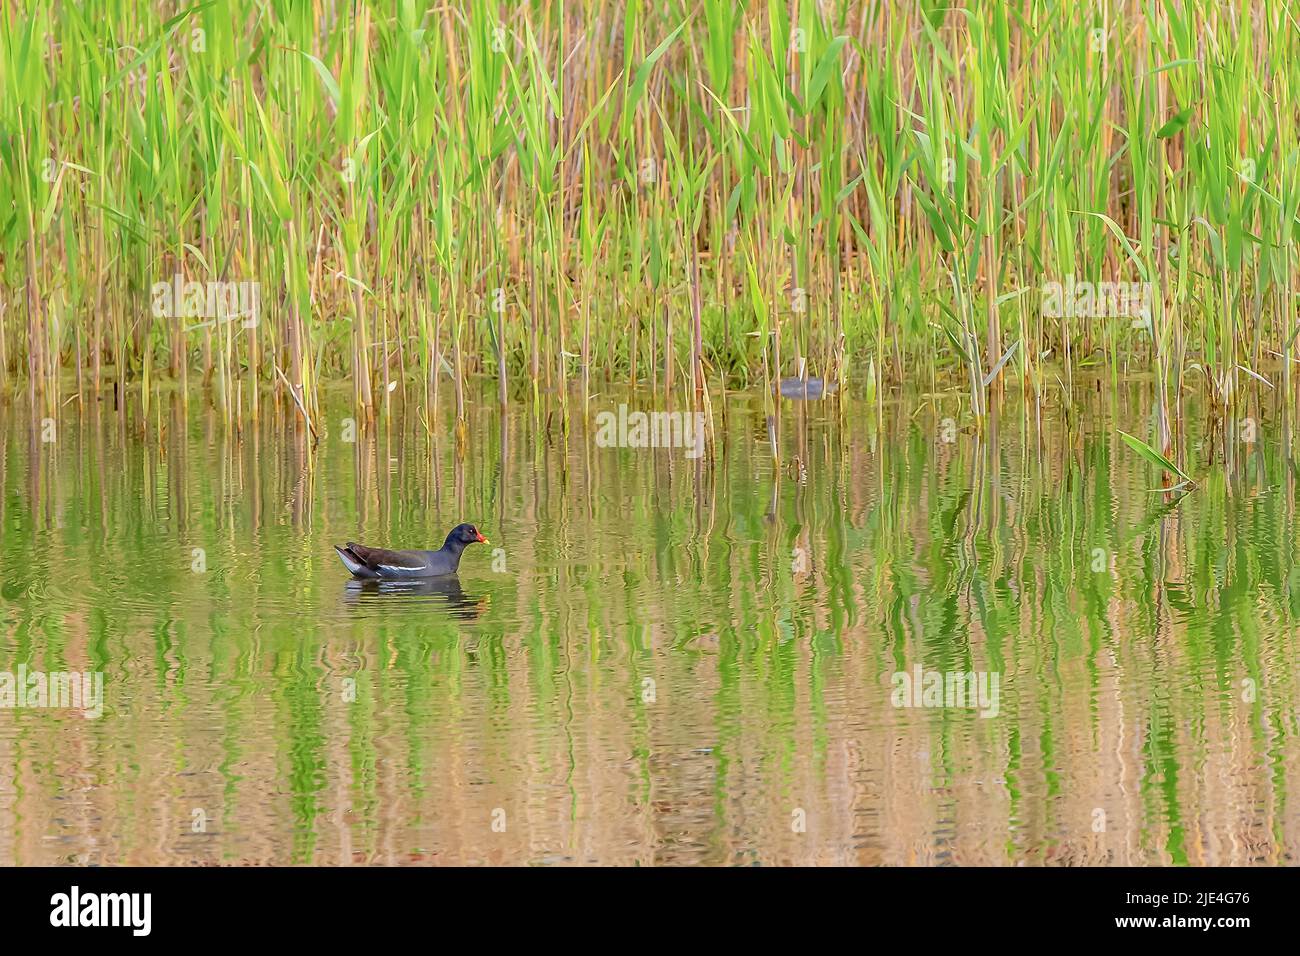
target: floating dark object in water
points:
(809, 389)
(380, 563)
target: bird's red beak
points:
(481, 539)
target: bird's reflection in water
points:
(438, 593)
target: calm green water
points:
(667, 661)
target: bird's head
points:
(464, 534)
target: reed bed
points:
(680, 195)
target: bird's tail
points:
(353, 563)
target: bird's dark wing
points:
(381, 559)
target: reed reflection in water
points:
(667, 660)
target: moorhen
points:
(382, 564)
